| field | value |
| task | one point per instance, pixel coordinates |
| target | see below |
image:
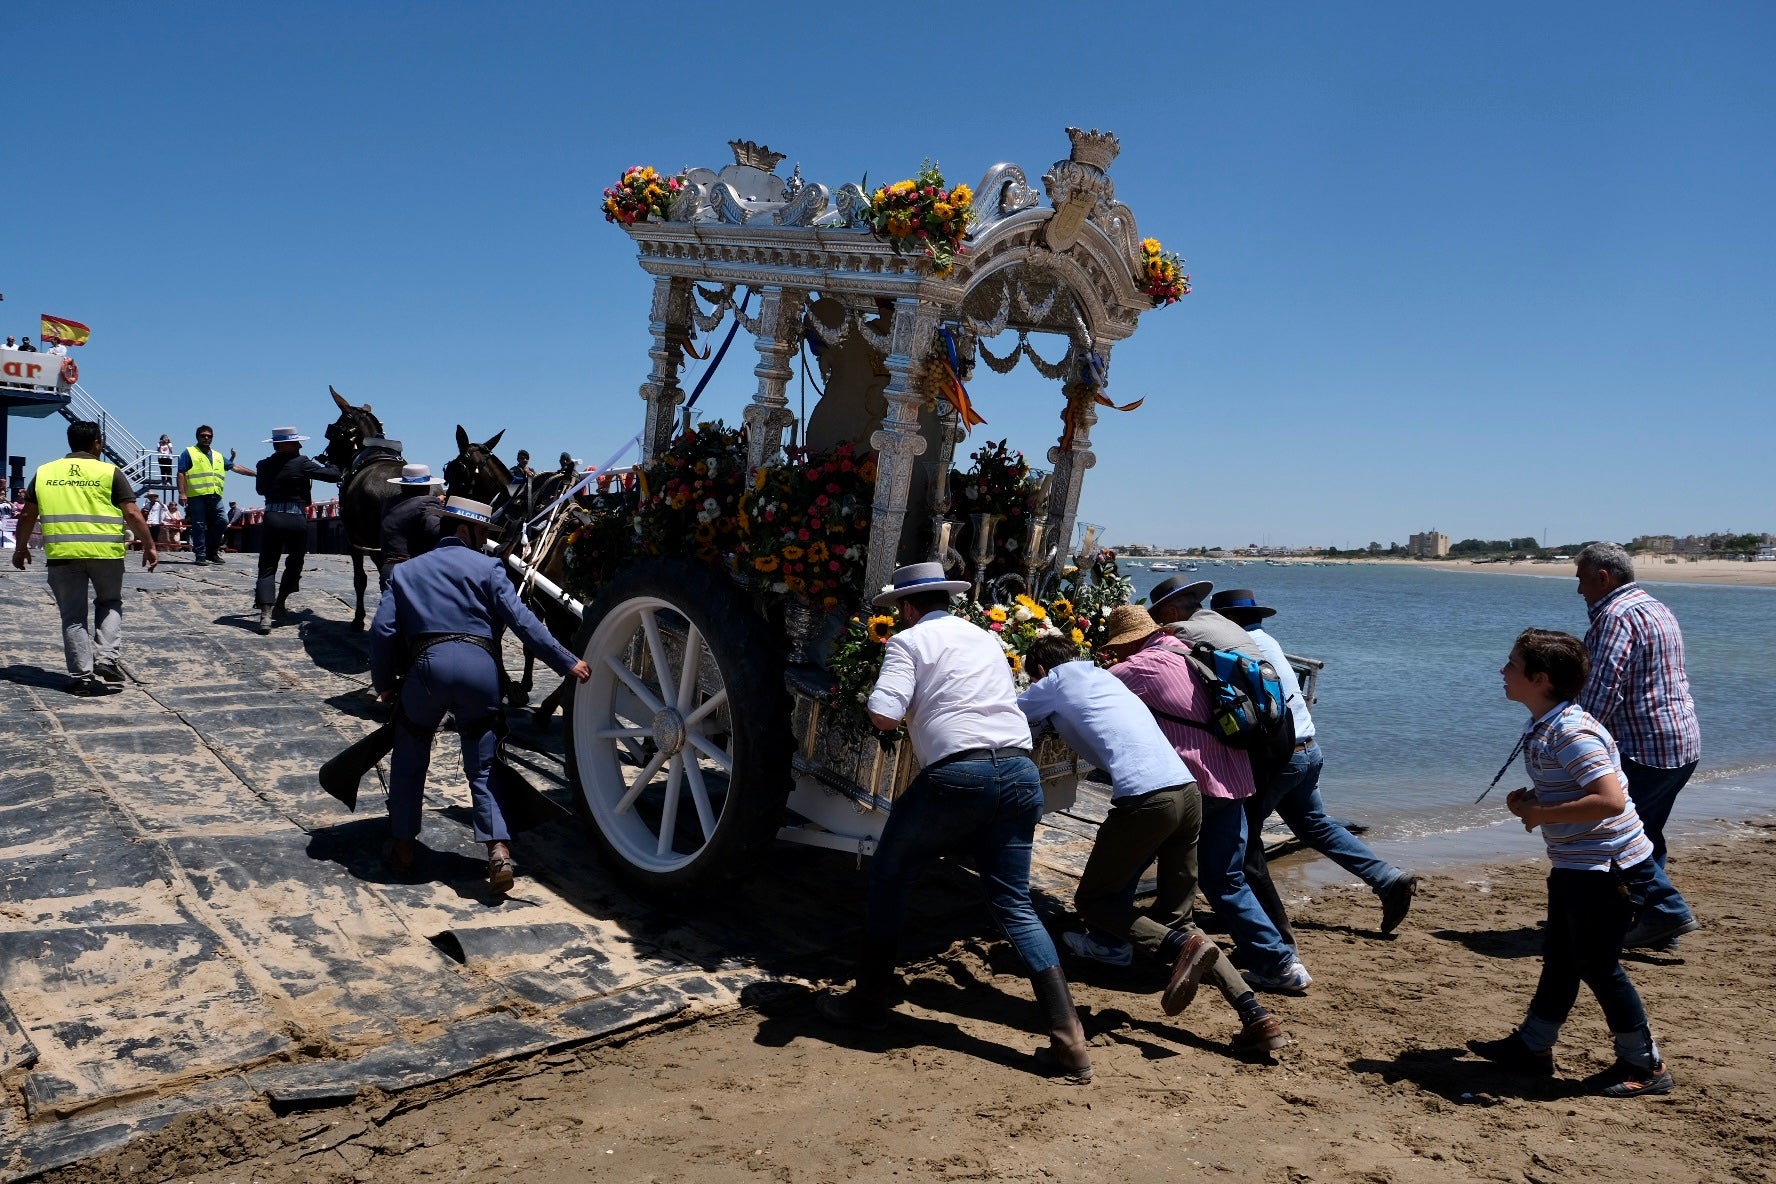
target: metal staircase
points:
(138, 462)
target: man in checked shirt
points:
(1639, 691)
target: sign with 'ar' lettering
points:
(39, 373)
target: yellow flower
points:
(899, 226)
(942, 209)
(867, 470)
(792, 552)
(1150, 246)
(705, 533)
(794, 583)
(996, 613)
(901, 188)
(648, 173)
(881, 628)
(1062, 607)
(1040, 613)
(1078, 637)
(765, 563)
(962, 196)
(818, 552)
(1017, 663)
(1026, 601)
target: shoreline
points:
(1648, 570)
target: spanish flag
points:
(58, 331)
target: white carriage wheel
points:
(653, 737)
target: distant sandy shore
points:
(1684, 571)
(1652, 570)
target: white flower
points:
(711, 463)
(713, 506)
(1023, 614)
(1104, 612)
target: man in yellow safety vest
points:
(84, 503)
(202, 472)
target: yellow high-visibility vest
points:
(207, 473)
(74, 505)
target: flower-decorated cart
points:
(719, 717)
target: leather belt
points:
(1304, 745)
(981, 754)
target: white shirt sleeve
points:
(893, 693)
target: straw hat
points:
(416, 475)
(918, 577)
(1130, 623)
(465, 509)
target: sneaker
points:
(1512, 1053)
(1196, 959)
(1658, 935)
(200, 562)
(1086, 945)
(1396, 901)
(1293, 979)
(216, 559)
(109, 671)
(1265, 1035)
(1623, 1080)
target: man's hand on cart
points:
(581, 672)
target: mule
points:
(367, 463)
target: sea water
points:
(1412, 717)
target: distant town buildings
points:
(1429, 545)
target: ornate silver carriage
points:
(703, 733)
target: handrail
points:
(121, 446)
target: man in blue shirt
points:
(440, 623)
(1155, 814)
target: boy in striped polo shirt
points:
(1603, 869)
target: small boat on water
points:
(1190, 567)
(1164, 567)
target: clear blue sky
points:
(1487, 269)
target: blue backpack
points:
(1246, 710)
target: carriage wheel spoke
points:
(708, 749)
(640, 784)
(669, 815)
(700, 798)
(687, 676)
(662, 668)
(713, 703)
(623, 733)
(636, 687)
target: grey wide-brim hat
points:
(284, 436)
(416, 475)
(1176, 585)
(469, 510)
(918, 577)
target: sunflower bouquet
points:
(1087, 603)
(690, 494)
(923, 216)
(1161, 275)
(642, 193)
(855, 664)
(805, 525)
(598, 542)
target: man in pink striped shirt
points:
(1158, 671)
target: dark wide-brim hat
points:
(1240, 604)
(1178, 585)
(918, 577)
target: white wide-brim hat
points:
(416, 475)
(284, 436)
(918, 577)
(469, 510)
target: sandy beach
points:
(1376, 1087)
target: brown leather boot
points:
(865, 1005)
(1066, 1056)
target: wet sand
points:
(1377, 1086)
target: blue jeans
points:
(1221, 860)
(1588, 915)
(1299, 805)
(991, 807)
(455, 676)
(203, 515)
(1654, 792)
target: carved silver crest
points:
(755, 155)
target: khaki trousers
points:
(1162, 825)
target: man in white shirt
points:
(155, 511)
(1295, 795)
(977, 788)
(1155, 815)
